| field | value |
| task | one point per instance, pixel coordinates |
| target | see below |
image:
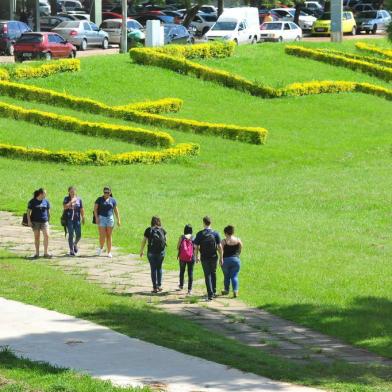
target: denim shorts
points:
(106, 221)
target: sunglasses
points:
(106, 192)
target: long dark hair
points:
(38, 192)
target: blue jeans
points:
(156, 260)
(74, 231)
(231, 268)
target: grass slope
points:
(41, 285)
(312, 206)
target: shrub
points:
(374, 49)
(4, 75)
(339, 60)
(44, 70)
(72, 124)
(164, 105)
(99, 157)
(311, 88)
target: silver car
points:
(113, 28)
(82, 34)
(372, 21)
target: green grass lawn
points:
(312, 206)
(41, 285)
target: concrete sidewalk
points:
(44, 335)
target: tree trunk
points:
(53, 7)
(220, 7)
(298, 7)
(190, 14)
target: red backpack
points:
(186, 250)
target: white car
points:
(203, 22)
(305, 21)
(280, 31)
(314, 5)
(209, 9)
(113, 28)
(44, 7)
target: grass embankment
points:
(41, 285)
(312, 206)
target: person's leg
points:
(207, 277)
(159, 270)
(234, 275)
(109, 231)
(70, 228)
(182, 273)
(190, 275)
(36, 241)
(45, 232)
(226, 276)
(213, 265)
(102, 236)
(78, 235)
(153, 268)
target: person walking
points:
(155, 237)
(232, 247)
(74, 217)
(104, 210)
(186, 257)
(208, 242)
(38, 216)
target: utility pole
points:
(124, 30)
(37, 16)
(336, 20)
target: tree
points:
(389, 31)
(220, 7)
(298, 5)
(191, 12)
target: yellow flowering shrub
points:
(374, 49)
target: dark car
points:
(48, 23)
(10, 31)
(165, 19)
(177, 34)
(45, 46)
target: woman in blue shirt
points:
(74, 213)
(38, 215)
(104, 210)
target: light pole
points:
(37, 16)
(124, 30)
(336, 20)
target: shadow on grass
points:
(366, 321)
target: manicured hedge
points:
(4, 75)
(44, 70)
(72, 124)
(139, 112)
(99, 157)
(374, 49)
(339, 60)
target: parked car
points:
(305, 21)
(165, 19)
(82, 34)
(209, 9)
(203, 22)
(67, 16)
(44, 7)
(113, 28)
(177, 34)
(110, 15)
(280, 31)
(314, 5)
(350, 4)
(48, 23)
(34, 46)
(323, 25)
(263, 14)
(371, 21)
(70, 5)
(362, 7)
(10, 31)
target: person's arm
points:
(142, 246)
(197, 259)
(82, 215)
(28, 212)
(117, 216)
(96, 213)
(178, 246)
(240, 244)
(48, 212)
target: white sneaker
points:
(99, 252)
(110, 255)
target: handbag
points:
(25, 222)
(94, 221)
(63, 221)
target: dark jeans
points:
(183, 266)
(74, 233)
(231, 268)
(156, 260)
(209, 269)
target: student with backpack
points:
(232, 247)
(208, 243)
(73, 219)
(186, 257)
(105, 208)
(155, 237)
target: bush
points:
(4, 75)
(340, 60)
(375, 49)
(44, 70)
(389, 31)
(99, 157)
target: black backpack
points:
(157, 240)
(208, 244)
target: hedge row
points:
(4, 75)
(374, 49)
(139, 112)
(208, 50)
(356, 65)
(72, 124)
(98, 157)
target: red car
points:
(38, 46)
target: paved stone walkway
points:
(128, 275)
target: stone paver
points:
(127, 275)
